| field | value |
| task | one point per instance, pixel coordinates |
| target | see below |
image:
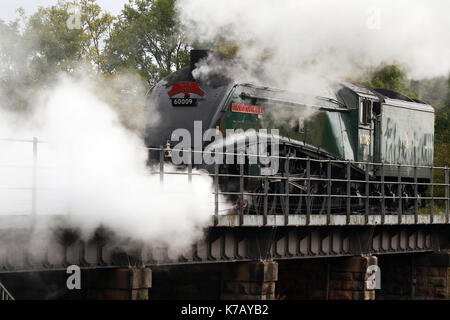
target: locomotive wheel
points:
(257, 202)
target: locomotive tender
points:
(354, 123)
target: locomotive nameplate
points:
(244, 108)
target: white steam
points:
(337, 39)
(94, 170)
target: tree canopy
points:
(394, 78)
(147, 38)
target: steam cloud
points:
(305, 44)
(94, 172)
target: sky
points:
(8, 7)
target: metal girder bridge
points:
(227, 243)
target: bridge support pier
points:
(119, 284)
(348, 279)
(424, 276)
(431, 276)
(250, 280)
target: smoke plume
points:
(305, 44)
(92, 170)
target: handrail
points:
(4, 294)
(301, 182)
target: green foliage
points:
(147, 38)
(41, 45)
(392, 77)
(432, 91)
(55, 47)
(96, 29)
(13, 63)
(442, 131)
(229, 50)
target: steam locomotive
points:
(354, 123)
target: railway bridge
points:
(360, 252)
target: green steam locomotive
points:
(363, 133)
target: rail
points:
(320, 187)
(4, 294)
(391, 198)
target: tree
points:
(442, 131)
(54, 47)
(147, 38)
(31, 56)
(392, 77)
(97, 28)
(432, 90)
(59, 46)
(13, 65)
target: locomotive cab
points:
(364, 107)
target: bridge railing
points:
(324, 187)
(31, 165)
(302, 186)
(4, 294)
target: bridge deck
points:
(228, 241)
(294, 220)
(334, 220)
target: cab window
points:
(365, 112)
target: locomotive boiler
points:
(352, 126)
